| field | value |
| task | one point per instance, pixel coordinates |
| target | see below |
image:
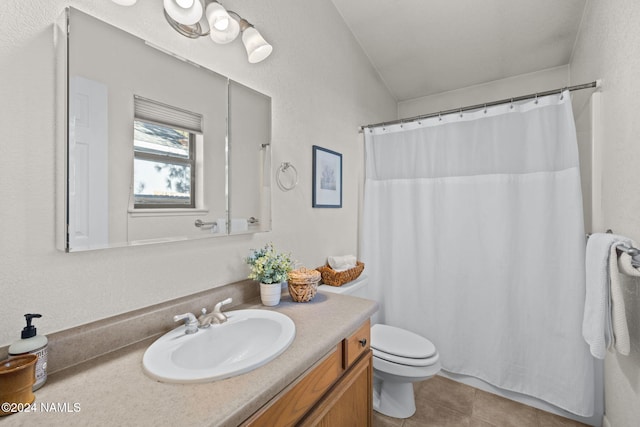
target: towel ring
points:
(285, 166)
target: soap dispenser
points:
(33, 344)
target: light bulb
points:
(221, 24)
(186, 12)
(125, 2)
(224, 28)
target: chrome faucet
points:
(216, 316)
(191, 323)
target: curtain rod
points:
(488, 104)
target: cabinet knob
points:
(363, 342)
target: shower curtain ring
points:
(440, 116)
(536, 98)
(485, 108)
(461, 113)
(511, 106)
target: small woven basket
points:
(303, 284)
(339, 278)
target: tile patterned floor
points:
(441, 402)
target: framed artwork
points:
(327, 178)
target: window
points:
(164, 166)
(164, 149)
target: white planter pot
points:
(270, 293)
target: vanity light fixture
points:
(200, 18)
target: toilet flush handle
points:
(363, 342)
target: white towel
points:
(342, 263)
(625, 266)
(220, 227)
(601, 266)
(237, 225)
(619, 314)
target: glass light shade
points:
(125, 2)
(257, 47)
(218, 35)
(184, 15)
(217, 16)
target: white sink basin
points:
(248, 340)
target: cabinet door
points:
(294, 402)
(349, 403)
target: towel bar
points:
(200, 223)
(633, 252)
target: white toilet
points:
(400, 358)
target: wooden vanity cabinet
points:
(336, 392)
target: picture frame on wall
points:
(327, 178)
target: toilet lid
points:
(406, 360)
(400, 342)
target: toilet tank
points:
(356, 288)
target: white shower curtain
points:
(473, 237)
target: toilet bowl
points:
(400, 358)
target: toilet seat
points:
(396, 342)
(405, 360)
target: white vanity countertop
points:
(113, 389)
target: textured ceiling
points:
(424, 47)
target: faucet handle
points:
(219, 305)
(191, 323)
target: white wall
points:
(322, 86)
(493, 91)
(608, 47)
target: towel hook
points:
(285, 166)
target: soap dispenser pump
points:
(31, 343)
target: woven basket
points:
(339, 278)
(303, 284)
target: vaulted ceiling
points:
(424, 47)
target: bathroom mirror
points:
(157, 148)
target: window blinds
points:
(167, 115)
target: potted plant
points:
(271, 269)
